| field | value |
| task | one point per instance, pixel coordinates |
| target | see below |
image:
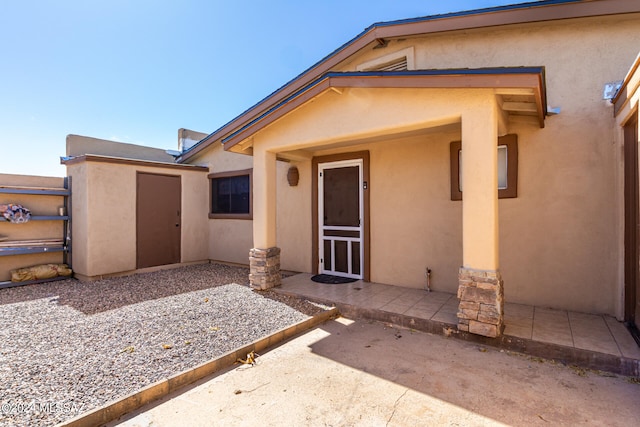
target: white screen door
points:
(340, 218)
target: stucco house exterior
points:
(477, 144)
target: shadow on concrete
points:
(365, 373)
(507, 387)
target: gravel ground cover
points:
(70, 346)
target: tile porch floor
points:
(599, 333)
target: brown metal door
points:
(631, 223)
(158, 219)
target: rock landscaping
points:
(70, 346)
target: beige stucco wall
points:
(414, 224)
(104, 212)
(559, 239)
(38, 205)
(293, 223)
(231, 239)
(562, 190)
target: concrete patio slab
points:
(589, 340)
(366, 373)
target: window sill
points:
(230, 216)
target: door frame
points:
(315, 162)
(360, 228)
(631, 218)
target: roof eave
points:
(622, 97)
(519, 77)
(549, 10)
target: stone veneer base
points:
(481, 295)
(264, 268)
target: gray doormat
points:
(331, 280)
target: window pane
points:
(240, 194)
(341, 256)
(327, 255)
(342, 196)
(220, 196)
(502, 167)
(231, 195)
(355, 260)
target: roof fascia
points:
(623, 95)
(521, 77)
(134, 162)
(549, 10)
(513, 14)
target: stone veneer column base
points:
(481, 295)
(264, 268)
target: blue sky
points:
(137, 71)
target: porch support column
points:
(264, 258)
(480, 287)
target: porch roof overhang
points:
(537, 11)
(628, 90)
(519, 91)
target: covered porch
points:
(591, 340)
(342, 112)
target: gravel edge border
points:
(113, 410)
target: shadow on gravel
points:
(108, 294)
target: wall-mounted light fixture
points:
(293, 176)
